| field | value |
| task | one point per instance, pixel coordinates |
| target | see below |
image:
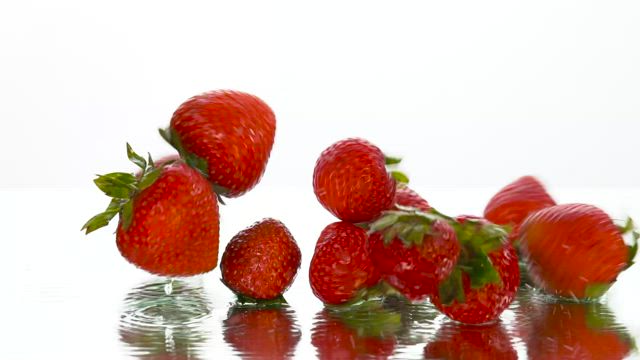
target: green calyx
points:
(391, 164)
(629, 228)
(247, 301)
(477, 240)
(409, 225)
(122, 187)
(368, 318)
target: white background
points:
(471, 93)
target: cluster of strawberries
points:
(168, 211)
(390, 240)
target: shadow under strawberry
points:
(165, 320)
(262, 332)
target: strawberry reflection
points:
(262, 332)
(460, 341)
(371, 330)
(567, 330)
(165, 320)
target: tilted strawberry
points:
(486, 277)
(341, 269)
(514, 202)
(169, 219)
(228, 135)
(569, 330)
(261, 261)
(575, 250)
(461, 341)
(262, 333)
(409, 198)
(350, 180)
(413, 251)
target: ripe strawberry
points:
(262, 333)
(413, 251)
(461, 341)
(341, 269)
(228, 135)
(513, 203)
(574, 250)
(486, 277)
(350, 180)
(261, 261)
(168, 217)
(409, 198)
(576, 331)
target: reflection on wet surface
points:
(175, 322)
(165, 320)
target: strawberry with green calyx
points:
(352, 181)
(168, 217)
(261, 261)
(227, 135)
(486, 277)
(575, 250)
(413, 251)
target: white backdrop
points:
(472, 93)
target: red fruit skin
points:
(568, 247)
(341, 265)
(175, 225)
(416, 270)
(261, 261)
(485, 305)
(232, 131)
(513, 203)
(460, 341)
(256, 333)
(407, 197)
(334, 340)
(351, 181)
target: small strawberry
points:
(513, 203)
(228, 135)
(575, 250)
(485, 280)
(413, 251)
(261, 261)
(350, 180)
(169, 219)
(341, 269)
(262, 333)
(462, 341)
(409, 198)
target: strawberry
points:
(409, 198)
(567, 330)
(262, 333)
(485, 280)
(261, 261)
(169, 219)
(462, 341)
(513, 203)
(413, 251)
(341, 269)
(575, 250)
(228, 135)
(350, 180)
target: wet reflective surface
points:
(79, 299)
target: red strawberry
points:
(409, 198)
(261, 261)
(228, 135)
(168, 217)
(341, 268)
(513, 203)
(486, 277)
(262, 333)
(574, 250)
(576, 331)
(351, 181)
(413, 251)
(461, 341)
